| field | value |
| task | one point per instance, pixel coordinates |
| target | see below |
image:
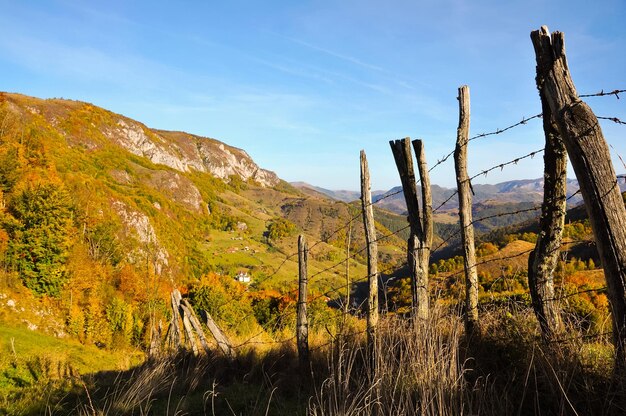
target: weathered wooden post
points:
(222, 341)
(174, 334)
(372, 256)
(591, 159)
(420, 238)
(195, 324)
(465, 211)
(543, 260)
(302, 325)
(346, 306)
(426, 238)
(189, 330)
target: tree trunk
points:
(543, 261)
(372, 255)
(302, 325)
(465, 211)
(591, 159)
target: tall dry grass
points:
(432, 368)
(420, 368)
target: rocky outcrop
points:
(178, 188)
(92, 128)
(138, 225)
(185, 152)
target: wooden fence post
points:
(420, 238)
(465, 211)
(346, 306)
(372, 255)
(302, 325)
(543, 260)
(591, 159)
(426, 238)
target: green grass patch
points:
(33, 365)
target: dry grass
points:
(421, 368)
(418, 370)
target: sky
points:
(303, 86)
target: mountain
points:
(136, 200)
(340, 195)
(510, 192)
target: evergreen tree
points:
(40, 236)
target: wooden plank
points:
(191, 338)
(401, 150)
(222, 341)
(426, 238)
(174, 333)
(195, 323)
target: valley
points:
(102, 218)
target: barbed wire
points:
(481, 219)
(602, 94)
(290, 312)
(498, 131)
(619, 156)
(492, 133)
(488, 217)
(277, 318)
(502, 165)
(613, 119)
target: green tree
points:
(279, 228)
(40, 236)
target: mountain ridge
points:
(178, 150)
(507, 192)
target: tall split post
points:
(372, 255)
(421, 223)
(302, 324)
(465, 192)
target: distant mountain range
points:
(510, 192)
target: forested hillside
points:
(104, 216)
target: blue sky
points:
(304, 85)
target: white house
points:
(243, 277)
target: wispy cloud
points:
(82, 63)
(343, 57)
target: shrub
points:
(279, 228)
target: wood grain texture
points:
(543, 260)
(465, 211)
(302, 324)
(372, 253)
(591, 159)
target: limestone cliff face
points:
(91, 128)
(184, 152)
